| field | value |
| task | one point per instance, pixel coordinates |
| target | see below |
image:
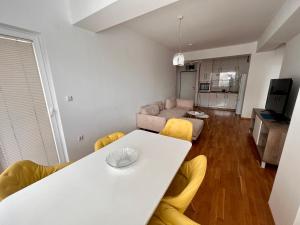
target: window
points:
(25, 130)
(226, 79)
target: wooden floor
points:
(235, 190)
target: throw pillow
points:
(160, 105)
(183, 103)
(170, 103)
(150, 110)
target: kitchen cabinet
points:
(238, 64)
(218, 100)
(205, 71)
(212, 100)
(232, 101)
(243, 65)
(203, 99)
(269, 137)
(210, 73)
(217, 66)
(226, 65)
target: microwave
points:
(204, 87)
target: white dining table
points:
(90, 192)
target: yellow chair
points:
(100, 143)
(178, 128)
(180, 194)
(167, 215)
(22, 174)
(186, 183)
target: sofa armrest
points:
(184, 103)
(149, 122)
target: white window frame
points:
(47, 84)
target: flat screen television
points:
(278, 96)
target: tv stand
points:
(269, 136)
(272, 116)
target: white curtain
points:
(25, 130)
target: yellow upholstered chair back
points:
(100, 143)
(186, 183)
(167, 215)
(22, 174)
(178, 128)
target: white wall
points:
(263, 67)
(297, 220)
(285, 197)
(291, 69)
(232, 50)
(109, 74)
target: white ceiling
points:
(207, 23)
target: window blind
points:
(25, 129)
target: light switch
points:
(69, 98)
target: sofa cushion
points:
(172, 113)
(184, 103)
(150, 110)
(170, 103)
(160, 104)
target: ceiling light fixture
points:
(178, 59)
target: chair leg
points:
(194, 208)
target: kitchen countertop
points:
(220, 92)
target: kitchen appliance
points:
(204, 87)
(190, 67)
(278, 96)
(242, 89)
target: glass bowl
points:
(122, 157)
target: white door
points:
(187, 85)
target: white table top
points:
(90, 192)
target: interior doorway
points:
(187, 85)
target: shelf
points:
(270, 137)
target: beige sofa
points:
(154, 116)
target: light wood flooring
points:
(235, 190)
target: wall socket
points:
(80, 138)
